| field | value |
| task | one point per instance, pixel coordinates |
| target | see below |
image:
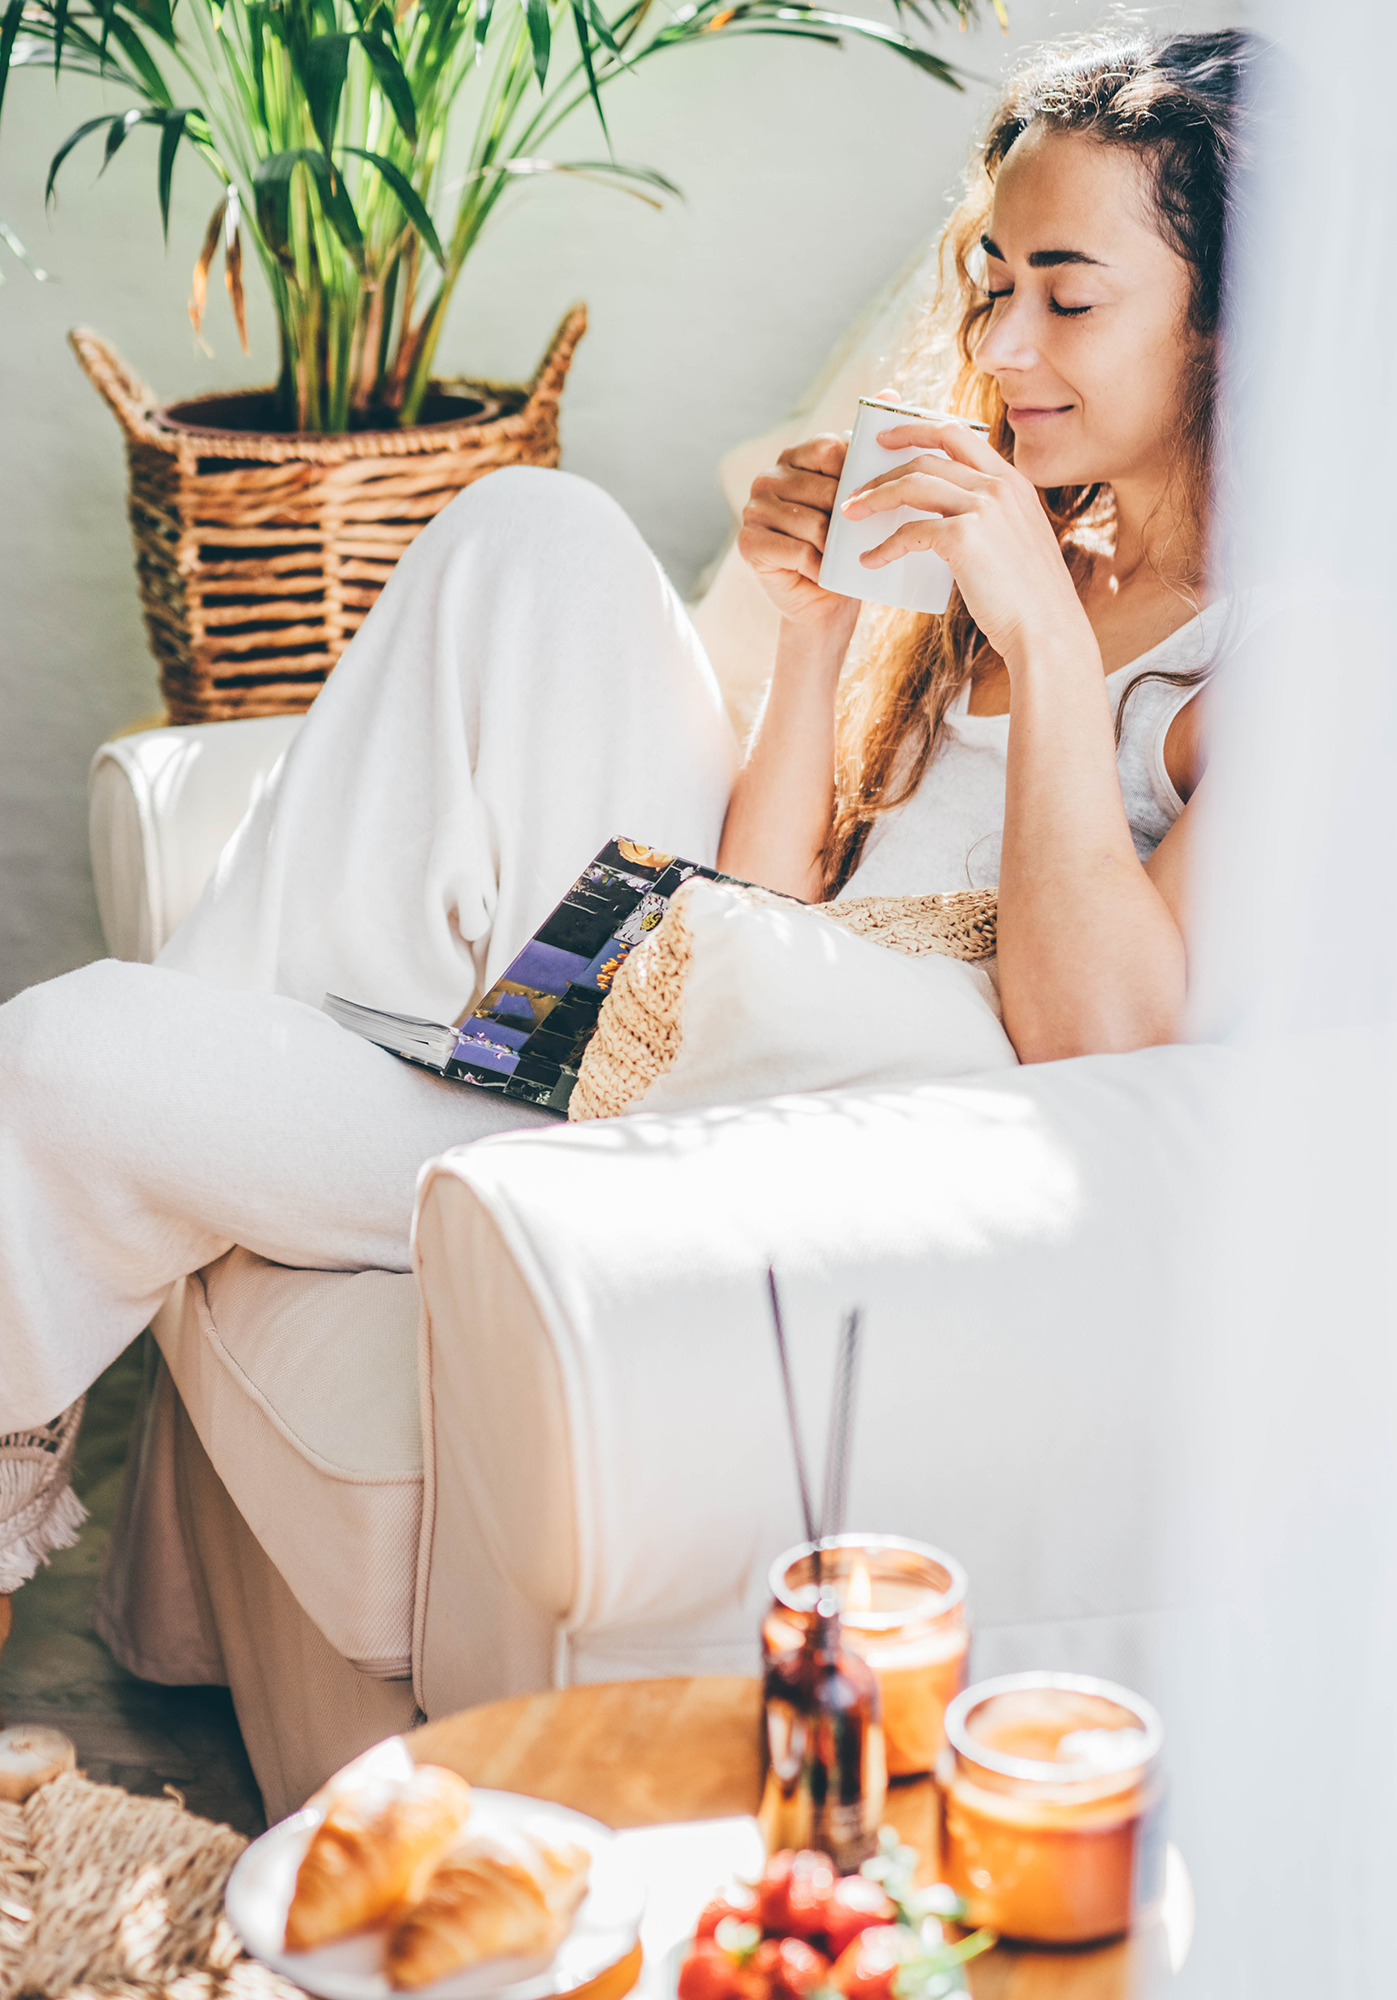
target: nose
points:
(1009, 345)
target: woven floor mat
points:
(105, 1893)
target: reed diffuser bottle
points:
(826, 1778)
(826, 1770)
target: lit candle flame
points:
(858, 1595)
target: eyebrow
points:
(1043, 260)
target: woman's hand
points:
(784, 526)
(987, 521)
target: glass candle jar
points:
(902, 1606)
(1052, 1822)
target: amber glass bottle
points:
(826, 1776)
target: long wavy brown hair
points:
(1177, 104)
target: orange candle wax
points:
(1051, 1807)
(902, 1606)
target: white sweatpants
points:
(527, 687)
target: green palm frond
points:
(323, 123)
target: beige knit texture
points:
(962, 925)
(639, 1031)
(105, 1893)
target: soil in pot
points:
(254, 413)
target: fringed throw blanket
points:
(39, 1511)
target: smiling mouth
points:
(1028, 413)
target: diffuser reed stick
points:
(841, 1426)
(792, 1420)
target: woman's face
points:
(1088, 338)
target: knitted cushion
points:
(740, 994)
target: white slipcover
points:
(607, 1469)
(302, 1387)
(161, 805)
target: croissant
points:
(510, 1894)
(377, 1844)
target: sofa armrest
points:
(609, 1460)
(161, 805)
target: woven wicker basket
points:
(259, 554)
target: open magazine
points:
(526, 1037)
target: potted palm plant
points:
(266, 521)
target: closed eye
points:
(1058, 311)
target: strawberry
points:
(867, 1968)
(791, 1967)
(854, 1904)
(710, 1973)
(741, 1903)
(793, 1891)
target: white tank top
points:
(948, 834)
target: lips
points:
(1023, 414)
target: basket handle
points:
(125, 394)
(547, 385)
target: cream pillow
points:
(739, 994)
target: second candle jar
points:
(902, 1606)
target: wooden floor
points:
(56, 1670)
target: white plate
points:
(605, 1928)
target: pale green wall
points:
(810, 177)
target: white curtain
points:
(1281, 1682)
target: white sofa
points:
(558, 1452)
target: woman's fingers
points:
(798, 524)
(933, 493)
(967, 477)
(799, 492)
(806, 524)
(824, 454)
(912, 538)
(785, 525)
(957, 440)
(810, 489)
(767, 548)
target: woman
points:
(528, 686)
(1077, 538)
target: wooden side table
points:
(639, 1753)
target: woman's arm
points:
(779, 814)
(1091, 957)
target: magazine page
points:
(526, 1037)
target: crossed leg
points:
(527, 686)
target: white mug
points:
(917, 582)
